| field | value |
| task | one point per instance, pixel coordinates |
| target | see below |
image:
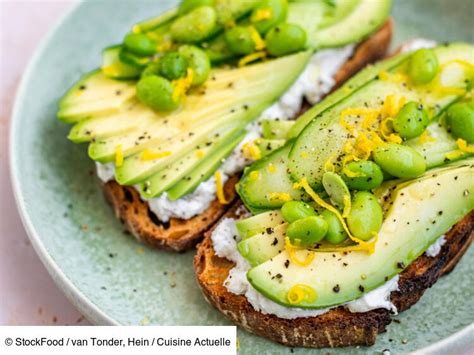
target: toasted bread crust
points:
(180, 235)
(338, 327)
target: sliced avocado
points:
(157, 21)
(263, 246)
(255, 194)
(324, 138)
(256, 224)
(422, 211)
(363, 19)
(177, 169)
(94, 95)
(235, 96)
(266, 146)
(276, 129)
(205, 169)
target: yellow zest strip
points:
(299, 293)
(110, 70)
(180, 86)
(148, 155)
(347, 206)
(294, 258)
(271, 169)
(251, 58)
(329, 164)
(251, 151)
(392, 77)
(200, 154)
(136, 29)
(263, 14)
(367, 246)
(464, 147)
(454, 155)
(425, 137)
(336, 249)
(254, 174)
(220, 188)
(118, 156)
(303, 155)
(257, 39)
(279, 196)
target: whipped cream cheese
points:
(225, 238)
(417, 43)
(435, 248)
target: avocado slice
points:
(325, 137)
(422, 211)
(248, 227)
(93, 95)
(272, 171)
(232, 97)
(263, 246)
(276, 129)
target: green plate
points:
(105, 273)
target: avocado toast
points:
(160, 138)
(340, 235)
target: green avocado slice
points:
(422, 211)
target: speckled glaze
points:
(114, 280)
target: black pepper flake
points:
(344, 264)
(269, 230)
(82, 87)
(275, 241)
(401, 265)
(287, 263)
(361, 288)
(336, 289)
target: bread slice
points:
(180, 235)
(338, 327)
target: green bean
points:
(195, 26)
(269, 14)
(140, 44)
(337, 189)
(285, 39)
(188, 5)
(294, 210)
(367, 175)
(307, 231)
(239, 40)
(399, 160)
(336, 233)
(460, 120)
(157, 93)
(198, 61)
(366, 216)
(411, 121)
(423, 66)
(173, 65)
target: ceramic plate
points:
(105, 273)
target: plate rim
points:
(77, 298)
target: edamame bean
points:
(188, 5)
(460, 121)
(195, 26)
(411, 121)
(198, 61)
(285, 39)
(157, 93)
(173, 65)
(294, 210)
(239, 40)
(151, 69)
(399, 160)
(423, 66)
(307, 231)
(269, 14)
(337, 190)
(366, 216)
(132, 59)
(140, 44)
(336, 233)
(367, 175)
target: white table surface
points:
(28, 295)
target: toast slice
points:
(180, 235)
(338, 327)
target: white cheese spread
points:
(417, 43)
(435, 248)
(225, 238)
